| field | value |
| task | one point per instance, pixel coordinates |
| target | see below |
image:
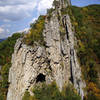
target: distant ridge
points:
(2, 39)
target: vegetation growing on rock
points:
(35, 33)
(51, 92)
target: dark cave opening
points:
(40, 78)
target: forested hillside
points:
(87, 26)
(6, 50)
(2, 39)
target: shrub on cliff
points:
(48, 92)
(27, 96)
(51, 92)
(71, 93)
(35, 34)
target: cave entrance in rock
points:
(40, 78)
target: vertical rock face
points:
(57, 61)
(27, 64)
(74, 65)
(63, 3)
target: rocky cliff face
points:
(57, 61)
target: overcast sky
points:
(16, 15)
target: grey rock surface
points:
(57, 61)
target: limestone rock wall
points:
(77, 80)
(56, 61)
(63, 3)
(27, 64)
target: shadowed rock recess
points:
(56, 61)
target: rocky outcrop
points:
(56, 61)
(27, 64)
(62, 4)
(79, 84)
